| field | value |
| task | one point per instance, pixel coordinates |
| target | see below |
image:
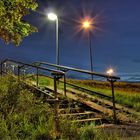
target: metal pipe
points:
(18, 74)
(65, 85)
(1, 68)
(90, 52)
(65, 67)
(78, 87)
(37, 77)
(34, 66)
(57, 42)
(113, 99)
(79, 70)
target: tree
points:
(12, 26)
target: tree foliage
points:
(12, 26)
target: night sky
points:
(115, 43)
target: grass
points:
(25, 116)
(22, 115)
(127, 94)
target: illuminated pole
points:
(90, 46)
(87, 25)
(53, 17)
(57, 44)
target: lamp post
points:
(53, 17)
(87, 26)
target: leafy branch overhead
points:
(12, 26)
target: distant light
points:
(52, 16)
(110, 71)
(86, 24)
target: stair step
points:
(88, 120)
(77, 114)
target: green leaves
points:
(12, 28)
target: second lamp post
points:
(53, 17)
(87, 25)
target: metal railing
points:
(9, 64)
(110, 79)
(58, 72)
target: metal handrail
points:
(78, 70)
(57, 72)
(109, 78)
(31, 65)
(81, 88)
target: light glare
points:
(52, 16)
(86, 24)
(110, 71)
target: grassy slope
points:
(25, 116)
(125, 93)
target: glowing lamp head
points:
(110, 71)
(86, 24)
(52, 16)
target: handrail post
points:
(56, 117)
(1, 68)
(113, 99)
(37, 77)
(55, 87)
(18, 74)
(65, 85)
(64, 70)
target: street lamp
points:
(110, 72)
(87, 25)
(53, 17)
